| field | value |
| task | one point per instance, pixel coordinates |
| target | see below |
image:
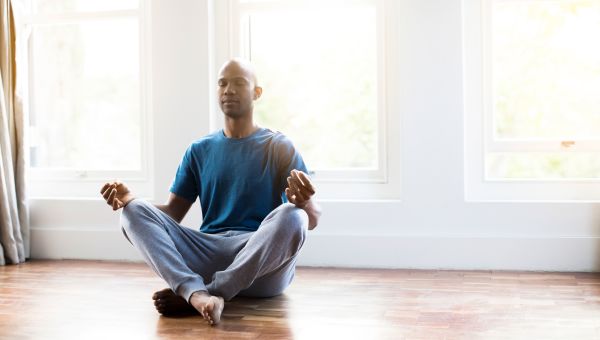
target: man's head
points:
(237, 88)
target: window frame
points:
(382, 182)
(85, 183)
(480, 131)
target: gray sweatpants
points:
(257, 264)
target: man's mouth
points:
(229, 101)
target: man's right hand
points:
(116, 194)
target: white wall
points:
(431, 226)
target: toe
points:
(162, 293)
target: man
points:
(249, 238)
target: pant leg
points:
(183, 257)
(272, 284)
(265, 266)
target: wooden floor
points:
(112, 300)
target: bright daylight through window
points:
(85, 85)
(320, 78)
(544, 91)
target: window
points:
(322, 66)
(87, 95)
(533, 88)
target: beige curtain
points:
(14, 215)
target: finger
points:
(104, 187)
(111, 196)
(290, 197)
(303, 184)
(295, 179)
(294, 184)
(116, 204)
(299, 198)
(302, 190)
(303, 197)
(291, 184)
(300, 193)
(108, 192)
(306, 182)
(294, 175)
(288, 194)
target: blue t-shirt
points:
(239, 180)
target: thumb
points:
(289, 195)
(116, 204)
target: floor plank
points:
(112, 300)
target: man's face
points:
(236, 91)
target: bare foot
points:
(209, 306)
(170, 304)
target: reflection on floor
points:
(112, 300)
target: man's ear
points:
(257, 92)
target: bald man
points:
(257, 203)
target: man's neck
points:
(239, 127)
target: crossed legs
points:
(205, 270)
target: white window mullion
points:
(383, 68)
(77, 17)
(572, 145)
(146, 175)
(488, 91)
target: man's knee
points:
(133, 214)
(293, 220)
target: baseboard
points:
(82, 244)
(361, 251)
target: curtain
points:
(14, 214)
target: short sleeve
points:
(186, 180)
(296, 162)
(289, 159)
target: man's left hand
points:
(300, 189)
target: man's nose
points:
(229, 89)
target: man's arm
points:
(176, 207)
(117, 195)
(299, 192)
(313, 210)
